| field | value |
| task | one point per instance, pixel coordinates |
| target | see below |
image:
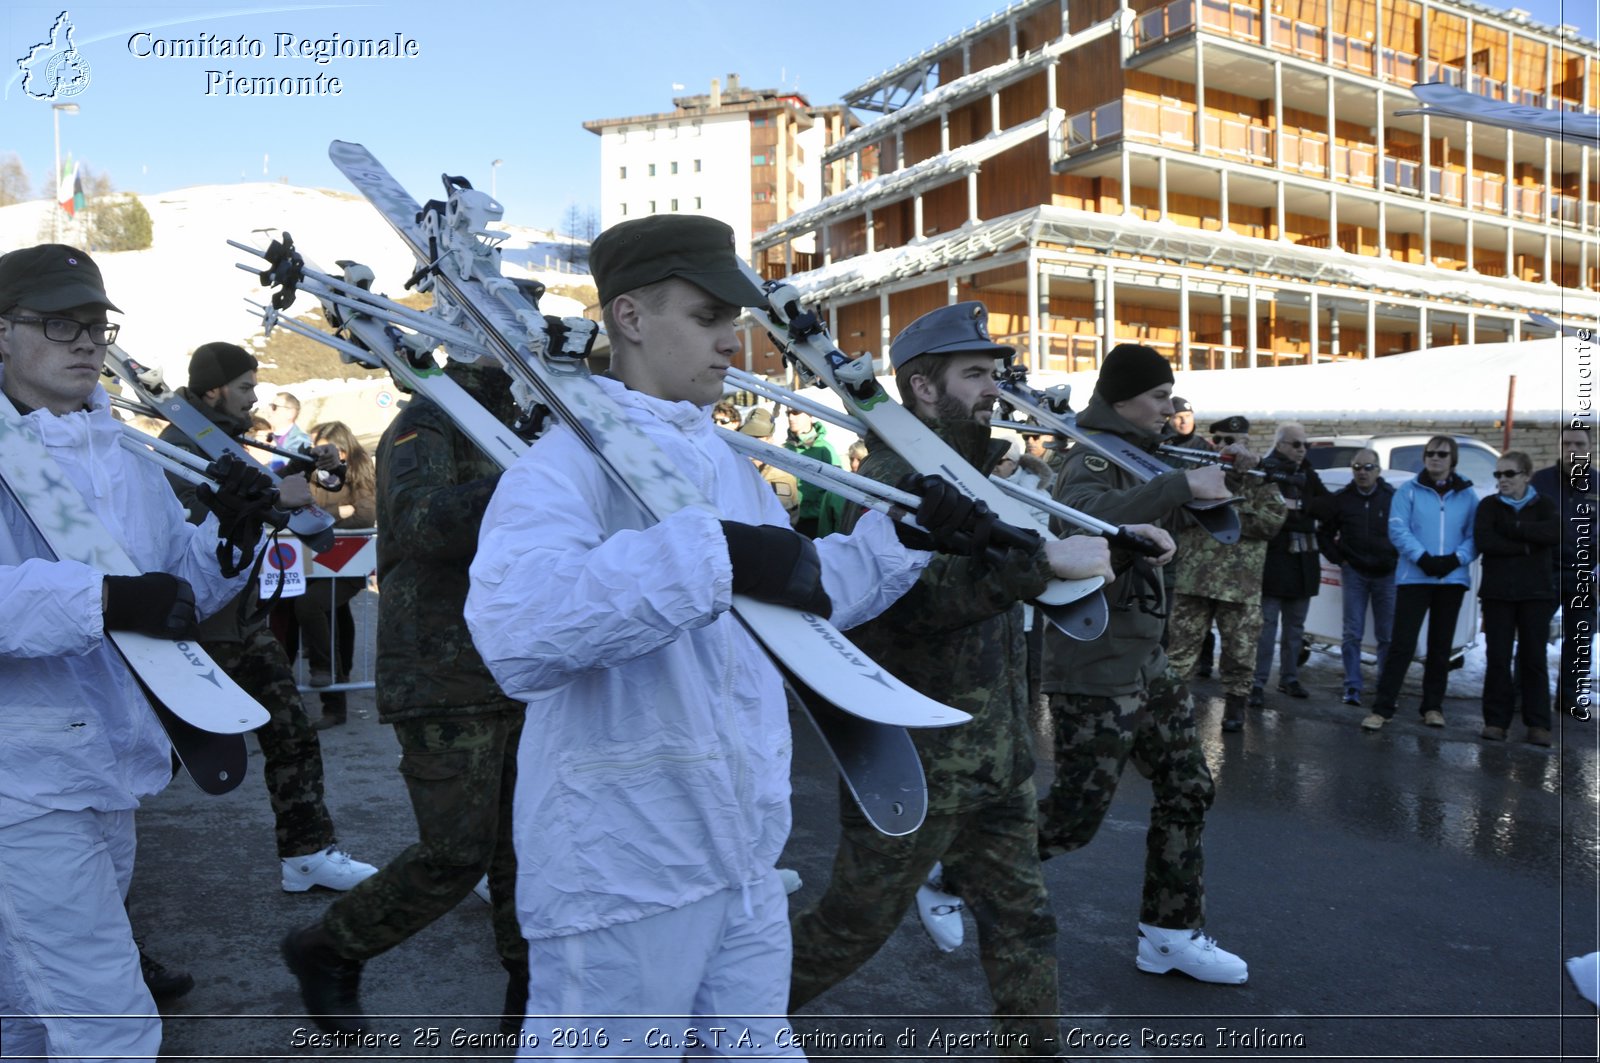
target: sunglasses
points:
(1298, 444)
(1365, 466)
(1506, 474)
(1436, 453)
(1223, 440)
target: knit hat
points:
(1181, 405)
(213, 365)
(632, 254)
(758, 424)
(1131, 369)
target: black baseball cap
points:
(50, 277)
(635, 253)
(1235, 425)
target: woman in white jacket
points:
(79, 744)
(653, 789)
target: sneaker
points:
(790, 879)
(329, 984)
(1293, 689)
(332, 869)
(163, 982)
(482, 890)
(1258, 697)
(1190, 951)
(1539, 736)
(1493, 734)
(1352, 696)
(940, 912)
(1374, 722)
(1433, 718)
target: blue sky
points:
(491, 80)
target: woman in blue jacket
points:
(1430, 523)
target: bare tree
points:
(14, 180)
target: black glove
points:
(776, 565)
(1438, 564)
(243, 501)
(946, 515)
(156, 604)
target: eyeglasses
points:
(1365, 466)
(66, 330)
(1298, 444)
(1506, 474)
(1223, 440)
(1436, 453)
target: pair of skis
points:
(203, 712)
(460, 263)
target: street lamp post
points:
(55, 174)
(493, 166)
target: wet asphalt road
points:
(1405, 895)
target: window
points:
(622, 173)
(758, 160)
(761, 197)
(674, 205)
(674, 167)
(622, 209)
(652, 206)
(758, 122)
(697, 203)
(697, 166)
(652, 169)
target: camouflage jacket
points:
(433, 487)
(1129, 654)
(1208, 569)
(228, 624)
(957, 636)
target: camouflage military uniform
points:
(458, 733)
(1115, 699)
(956, 635)
(253, 658)
(1223, 583)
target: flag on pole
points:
(69, 192)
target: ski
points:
(1572, 127)
(466, 268)
(1049, 413)
(877, 761)
(1077, 607)
(311, 524)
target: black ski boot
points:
(329, 983)
(163, 982)
(516, 1005)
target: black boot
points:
(516, 1005)
(329, 983)
(163, 982)
(1233, 712)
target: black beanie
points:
(215, 364)
(1131, 369)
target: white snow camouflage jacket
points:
(654, 765)
(75, 730)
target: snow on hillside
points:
(185, 290)
(1468, 382)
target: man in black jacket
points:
(1292, 572)
(1353, 533)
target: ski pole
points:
(188, 467)
(1118, 536)
(784, 397)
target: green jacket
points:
(814, 501)
(433, 487)
(1208, 569)
(957, 636)
(1129, 654)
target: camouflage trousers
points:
(1095, 737)
(990, 860)
(293, 755)
(1240, 625)
(460, 772)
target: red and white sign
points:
(286, 564)
(350, 557)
